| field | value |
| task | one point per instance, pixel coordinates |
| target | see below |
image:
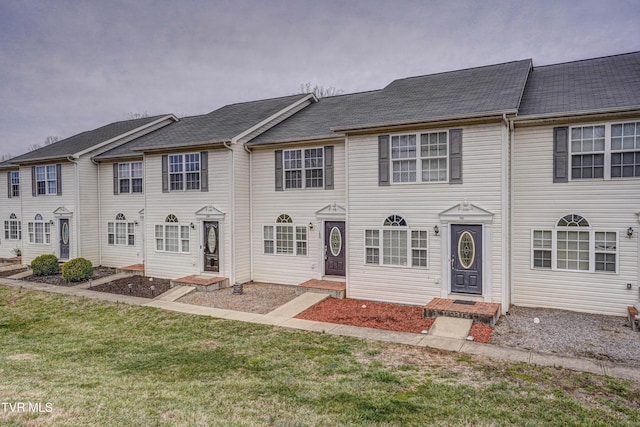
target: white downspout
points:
(250, 211)
(232, 205)
(77, 209)
(99, 214)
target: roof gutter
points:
(77, 208)
(545, 117)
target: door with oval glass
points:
(211, 245)
(64, 238)
(466, 259)
(334, 248)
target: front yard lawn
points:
(100, 363)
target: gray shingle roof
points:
(607, 83)
(218, 126)
(83, 141)
(479, 91)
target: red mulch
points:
(378, 315)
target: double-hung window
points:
(121, 232)
(422, 157)
(396, 244)
(46, 179)
(605, 151)
(184, 171)
(12, 228)
(304, 168)
(172, 236)
(285, 238)
(14, 184)
(130, 177)
(39, 231)
(574, 245)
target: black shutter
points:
(455, 156)
(59, 178)
(204, 171)
(279, 170)
(561, 154)
(116, 186)
(165, 173)
(9, 184)
(33, 181)
(383, 160)
(328, 167)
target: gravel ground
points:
(260, 298)
(569, 333)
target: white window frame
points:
(13, 228)
(593, 250)
(126, 172)
(15, 183)
(301, 164)
(39, 228)
(189, 166)
(49, 176)
(274, 244)
(394, 223)
(608, 151)
(120, 232)
(182, 236)
(418, 160)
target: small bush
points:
(77, 270)
(45, 265)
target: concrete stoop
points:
(201, 282)
(486, 313)
(334, 289)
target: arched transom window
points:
(39, 231)
(285, 237)
(400, 245)
(171, 236)
(121, 232)
(13, 228)
(574, 245)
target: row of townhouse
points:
(507, 183)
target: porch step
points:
(486, 313)
(335, 289)
(202, 283)
(135, 269)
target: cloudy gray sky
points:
(71, 66)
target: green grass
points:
(112, 364)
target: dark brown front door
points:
(466, 259)
(64, 238)
(334, 248)
(211, 246)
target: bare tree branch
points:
(319, 91)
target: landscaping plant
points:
(45, 265)
(77, 270)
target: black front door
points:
(64, 238)
(466, 259)
(211, 246)
(334, 250)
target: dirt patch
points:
(260, 298)
(56, 279)
(140, 286)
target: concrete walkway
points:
(284, 317)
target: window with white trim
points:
(420, 157)
(130, 177)
(605, 151)
(184, 171)
(399, 244)
(39, 231)
(574, 245)
(171, 236)
(14, 176)
(46, 180)
(304, 168)
(285, 238)
(12, 228)
(121, 232)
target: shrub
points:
(45, 265)
(77, 270)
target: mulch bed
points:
(378, 315)
(56, 279)
(141, 286)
